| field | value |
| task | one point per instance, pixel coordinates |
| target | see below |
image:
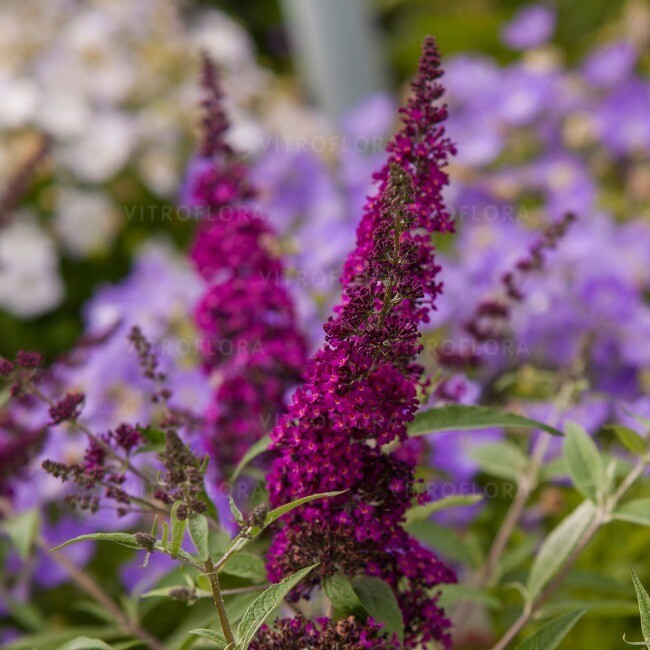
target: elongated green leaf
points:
(558, 546)
(379, 601)
(644, 609)
(52, 639)
(342, 595)
(22, 529)
(85, 643)
(200, 535)
(550, 635)
(601, 608)
(235, 511)
(502, 459)
(629, 438)
(419, 513)
(247, 566)
(155, 441)
(264, 604)
(636, 511)
(254, 451)
(458, 417)
(211, 635)
(275, 514)
(123, 539)
(466, 550)
(584, 462)
(178, 530)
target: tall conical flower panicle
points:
(250, 338)
(361, 393)
(421, 148)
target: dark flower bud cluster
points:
(246, 318)
(361, 390)
(183, 480)
(149, 364)
(69, 408)
(489, 322)
(323, 634)
(257, 517)
(145, 541)
(102, 471)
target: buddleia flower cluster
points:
(362, 388)
(251, 343)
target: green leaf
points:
(275, 514)
(420, 513)
(247, 566)
(458, 417)
(178, 530)
(379, 601)
(446, 541)
(584, 462)
(342, 595)
(264, 604)
(22, 529)
(629, 438)
(636, 511)
(253, 452)
(123, 539)
(53, 638)
(85, 643)
(200, 536)
(211, 635)
(235, 511)
(550, 635)
(644, 609)
(502, 459)
(155, 441)
(558, 546)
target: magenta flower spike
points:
(250, 341)
(361, 389)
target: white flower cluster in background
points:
(114, 83)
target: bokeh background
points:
(549, 105)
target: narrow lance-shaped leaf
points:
(264, 604)
(253, 452)
(420, 513)
(200, 535)
(558, 546)
(342, 595)
(502, 459)
(379, 601)
(636, 511)
(629, 438)
(275, 514)
(22, 530)
(178, 530)
(123, 539)
(211, 635)
(235, 511)
(458, 417)
(549, 636)
(84, 643)
(584, 462)
(644, 610)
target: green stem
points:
(217, 596)
(603, 516)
